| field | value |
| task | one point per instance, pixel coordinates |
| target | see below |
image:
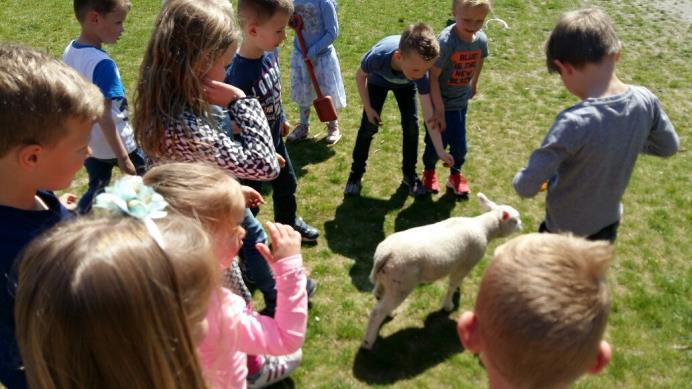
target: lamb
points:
(427, 253)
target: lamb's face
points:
(510, 221)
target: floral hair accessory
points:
(129, 196)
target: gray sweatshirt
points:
(588, 156)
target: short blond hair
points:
(542, 308)
(38, 94)
(419, 38)
(201, 191)
(101, 305)
(471, 3)
(259, 11)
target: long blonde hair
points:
(101, 305)
(188, 36)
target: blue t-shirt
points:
(106, 76)
(458, 61)
(18, 228)
(261, 78)
(377, 63)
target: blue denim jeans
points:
(454, 137)
(100, 171)
(256, 268)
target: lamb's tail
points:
(379, 261)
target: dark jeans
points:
(406, 99)
(99, 171)
(609, 233)
(284, 189)
(256, 268)
(454, 137)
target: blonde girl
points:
(209, 194)
(101, 304)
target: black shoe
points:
(415, 186)
(311, 287)
(352, 186)
(308, 233)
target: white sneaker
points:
(275, 369)
(299, 132)
(333, 133)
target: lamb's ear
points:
(505, 215)
(487, 204)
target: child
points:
(112, 140)
(320, 29)
(214, 198)
(541, 312)
(46, 116)
(399, 64)
(453, 81)
(255, 70)
(589, 152)
(190, 46)
(102, 303)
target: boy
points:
(453, 81)
(46, 116)
(589, 152)
(255, 70)
(399, 64)
(541, 312)
(112, 139)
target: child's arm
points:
(476, 75)
(437, 97)
(432, 126)
(663, 141)
(361, 83)
(331, 30)
(113, 138)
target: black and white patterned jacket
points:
(251, 155)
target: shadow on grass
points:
(357, 228)
(426, 210)
(409, 352)
(308, 151)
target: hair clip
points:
(129, 196)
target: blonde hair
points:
(38, 94)
(259, 11)
(581, 37)
(419, 38)
(198, 190)
(471, 3)
(542, 308)
(188, 36)
(101, 305)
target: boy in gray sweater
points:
(588, 155)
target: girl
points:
(181, 74)
(320, 29)
(214, 198)
(101, 304)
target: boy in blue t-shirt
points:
(399, 64)
(112, 139)
(453, 81)
(255, 70)
(45, 122)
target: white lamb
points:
(427, 253)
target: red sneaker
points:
(458, 184)
(430, 181)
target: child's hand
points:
(544, 186)
(220, 93)
(472, 93)
(373, 116)
(282, 161)
(253, 198)
(126, 166)
(285, 128)
(447, 159)
(69, 201)
(285, 242)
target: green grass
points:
(650, 277)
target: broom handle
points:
(308, 63)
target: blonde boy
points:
(589, 152)
(112, 140)
(46, 114)
(541, 311)
(399, 64)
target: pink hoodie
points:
(234, 330)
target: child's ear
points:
(468, 331)
(28, 157)
(602, 358)
(565, 68)
(616, 56)
(92, 16)
(397, 55)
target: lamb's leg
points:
(454, 282)
(383, 307)
(378, 290)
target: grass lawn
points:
(650, 277)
